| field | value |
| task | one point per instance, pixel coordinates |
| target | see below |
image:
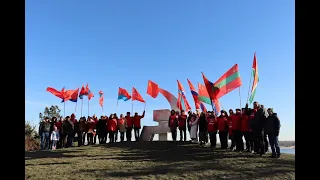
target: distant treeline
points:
(287, 143)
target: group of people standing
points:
(63, 132)
(256, 126)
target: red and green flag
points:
(225, 84)
(255, 76)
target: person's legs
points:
(111, 136)
(221, 139)
(121, 136)
(181, 136)
(276, 145)
(261, 143)
(54, 145)
(128, 133)
(79, 139)
(47, 139)
(266, 143)
(185, 134)
(273, 149)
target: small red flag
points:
(153, 89)
(101, 98)
(136, 95)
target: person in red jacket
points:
(116, 132)
(112, 128)
(245, 129)
(173, 124)
(223, 129)
(137, 124)
(231, 135)
(95, 134)
(212, 128)
(182, 121)
(129, 126)
(59, 125)
(236, 130)
(90, 128)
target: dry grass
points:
(154, 160)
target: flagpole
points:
(75, 109)
(88, 107)
(81, 106)
(240, 96)
(132, 107)
(249, 87)
(144, 106)
(64, 108)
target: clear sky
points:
(111, 44)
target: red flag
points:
(67, 94)
(55, 92)
(136, 95)
(90, 95)
(101, 98)
(153, 89)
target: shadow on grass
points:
(180, 158)
(50, 154)
(48, 164)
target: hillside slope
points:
(154, 160)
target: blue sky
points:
(111, 44)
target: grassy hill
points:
(154, 160)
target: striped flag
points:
(255, 76)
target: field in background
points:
(154, 160)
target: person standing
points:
(137, 124)
(272, 129)
(129, 126)
(44, 130)
(223, 129)
(182, 125)
(257, 125)
(121, 127)
(173, 124)
(246, 131)
(55, 136)
(203, 133)
(194, 128)
(212, 129)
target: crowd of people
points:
(257, 126)
(63, 132)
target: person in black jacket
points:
(68, 130)
(272, 129)
(257, 126)
(203, 129)
(188, 120)
(44, 130)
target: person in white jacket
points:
(194, 128)
(55, 137)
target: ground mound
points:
(154, 160)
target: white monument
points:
(162, 117)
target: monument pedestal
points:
(163, 137)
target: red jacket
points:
(236, 122)
(222, 124)
(90, 126)
(129, 120)
(212, 124)
(59, 124)
(112, 124)
(120, 121)
(230, 125)
(173, 122)
(182, 121)
(137, 120)
(245, 124)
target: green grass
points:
(154, 160)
